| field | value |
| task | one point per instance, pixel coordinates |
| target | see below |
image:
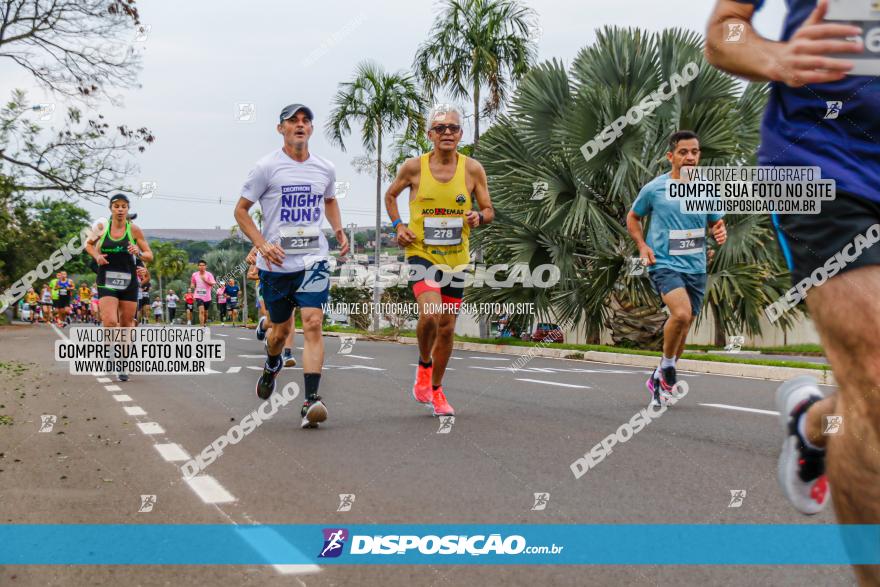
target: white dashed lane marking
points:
(205, 487)
(209, 490)
(172, 452)
(151, 428)
(741, 409)
(553, 383)
(358, 357)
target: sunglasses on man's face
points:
(441, 129)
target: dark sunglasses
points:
(442, 128)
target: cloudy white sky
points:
(203, 58)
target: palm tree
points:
(406, 147)
(381, 103)
(580, 224)
(168, 261)
(477, 44)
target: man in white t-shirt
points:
(171, 303)
(157, 309)
(295, 190)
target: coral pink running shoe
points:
(422, 390)
(441, 406)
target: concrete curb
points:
(708, 367)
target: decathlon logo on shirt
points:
(299, 204)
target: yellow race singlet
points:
(436, 216)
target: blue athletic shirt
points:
(666, 216)
(232, 291)
(795, 131)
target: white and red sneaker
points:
(422, 390)
(801, 469)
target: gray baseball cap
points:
(291, 109)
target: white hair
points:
(440, 110)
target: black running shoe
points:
(266, 382)
(313, 412)
(667, 382)
(653, 385)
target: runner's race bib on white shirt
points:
(117, 280)
(443, 231)
(689, 241)
(62, 291)
(201, 291)
(299, 240)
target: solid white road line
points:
(134, 411)
(489, 358)
(233, 370)
(356, 357)
(112, 388)
(122, 398)
(151, 428)
(209, 489)
(103, 380)
(243, 338)
(741, 409)
(553, 383)
(447, 368)
(172, 452)
(252, 356)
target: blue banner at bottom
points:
(468, 544)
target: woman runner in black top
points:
(117, 251)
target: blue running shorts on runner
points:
(281, 292)
(666, 280)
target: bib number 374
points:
(687, 242)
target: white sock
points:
(657, 374)
(667, 362)
(802, 430)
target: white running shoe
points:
(260, 332)
(801, 470)
(313, 412)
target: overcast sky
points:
(202, 59)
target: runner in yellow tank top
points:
(437, 217)
(442, 185)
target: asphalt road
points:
(515, 434)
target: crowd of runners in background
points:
(62, 302)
